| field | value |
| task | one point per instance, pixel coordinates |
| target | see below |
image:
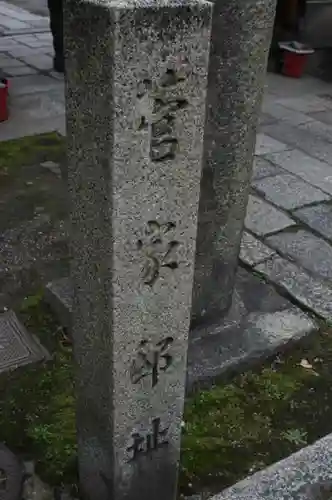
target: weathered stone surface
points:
(301, 476)
(264, 168)
(35, 489)
(59, 294)
(262, 218)
(34, 83)
(318, 217)
(40, 106)
(136, 86)
(11, 475)
(52, 167)
(308, 250)
(252, 329)
(239, 45)
(258, 336)
(289, 192)
(289, 116)
(259, 323)
(311, 170)
(300, 138)
(266, 119)
(18, 348)
(311, 292)
(266, 144)
(322, 116)
(321, 130)
(253, 251)
(306, 103)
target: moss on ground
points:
(25, 186)
(22, 152)
(232, 430)
(37, 411)
(260, 417)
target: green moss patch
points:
(30, 150)
(27, 188)
(261, 417)
(37, 410)
(230, 431)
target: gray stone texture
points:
(264, 168)
(306, 103)
(260, 323)
(262, 218)
(289, 192)
(253, 251)
(59, 294)
(318, 129)
(311, 292)
(297, 137)
(136, 87)
(18, 348)
(305, 475)
(318, 218)
(289, 116)
(323, 116)
(313, 253)
(315, 172)
(239, 45)
(266, 144)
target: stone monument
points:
(136, 89)
(240, 40)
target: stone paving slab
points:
(14, 20)
(279, 112)
(263, 219)
(19, 71)
(253, 251)
(34, 84)
(322, 116)
(313, 171)
(311, 252)
(304, 105)
(17, 127)
(289, 192)
(318, 218)
(300, 138)
(280, 87)
(305, 475)
(264, 168)
(318, 129)
(310, 292)
(266, 144)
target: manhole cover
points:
(11, 475)
(17, 347)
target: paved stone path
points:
(289, 217)
(36, 92)
(288, 236)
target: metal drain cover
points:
(17, 346)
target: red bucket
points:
(3, 100)
(295, 56)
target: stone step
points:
(305, 475)
(17, 347)
(259, 324)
